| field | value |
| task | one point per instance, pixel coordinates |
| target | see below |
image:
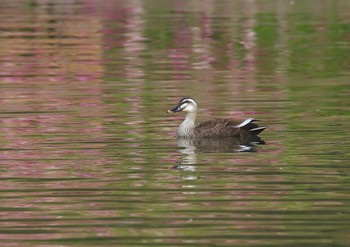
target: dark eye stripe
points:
(186, 101)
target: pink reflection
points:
(58, 114)
(52, 105)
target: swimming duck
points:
(213, 128)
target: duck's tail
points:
(256, 131)
(250, 125)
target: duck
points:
(216, 128)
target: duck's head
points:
(186, 104)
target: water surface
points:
(89, 156)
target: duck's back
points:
(226, 128)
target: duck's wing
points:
(216, 128)
(227, 127)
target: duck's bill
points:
(175, 109)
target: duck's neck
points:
(186, 129)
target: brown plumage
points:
(224, 128)
(212, 128)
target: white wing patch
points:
(245, 122)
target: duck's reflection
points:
(219, 145)
(213, 145)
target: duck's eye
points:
(186, 102)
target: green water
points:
(89, 156)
